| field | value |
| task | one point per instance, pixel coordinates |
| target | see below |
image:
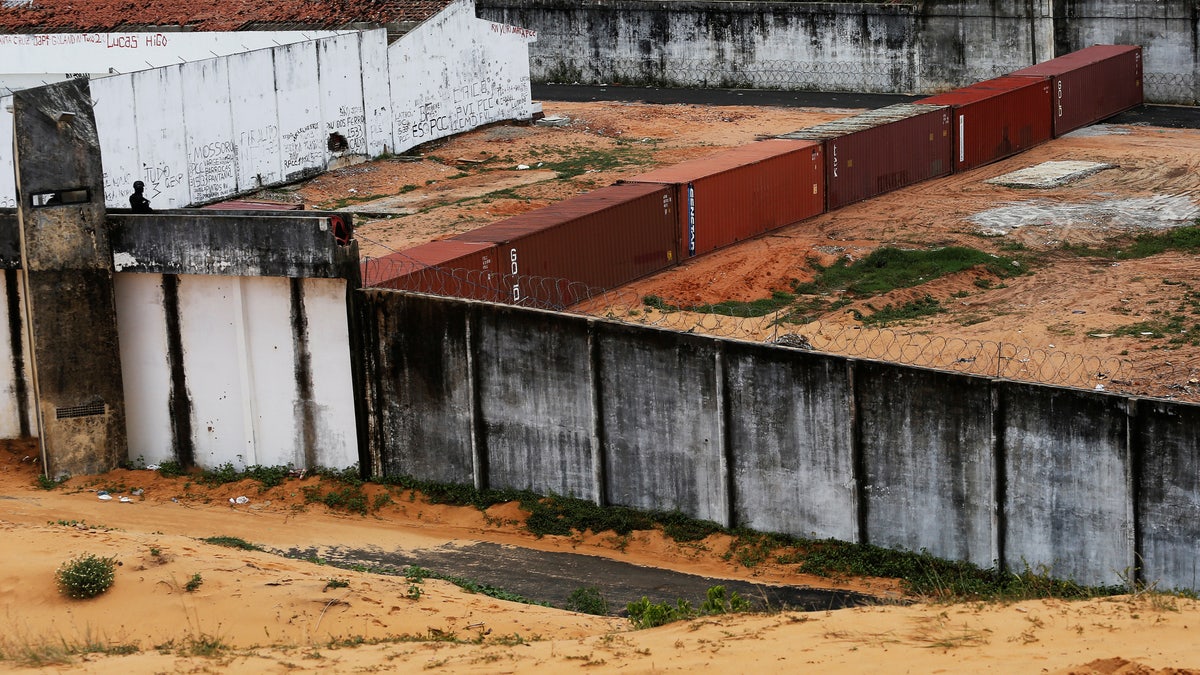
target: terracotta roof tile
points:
(208, 15)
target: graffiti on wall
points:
(108, 40)
(212, 170)
(479, 102)
(351, 126)
(302, 149)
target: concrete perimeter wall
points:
(899, 47)
(200, 131)
(1088, 484)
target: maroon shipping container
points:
(555, 256)
(996, 118)
(881, 150)
(1091, 84)
(743, 192)
(455, 268)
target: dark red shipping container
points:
(881, 150)
(555, 256)
(1091, 84)
(996, 118)
(743, 192)
(455, 268)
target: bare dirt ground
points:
(255, 612)
(1074, 320)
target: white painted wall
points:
(205, 130)
(10, 415)
(443, 86)
(240, 362)
(34, 60)
(8, 179)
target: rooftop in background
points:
(53, 16)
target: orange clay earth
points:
(256, 612)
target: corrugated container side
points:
(996, 118)
(743, 192)
(881, 150)
(558, 255)
(454, 268)
(1091, 84)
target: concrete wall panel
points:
(266, 359)
(8, 178)
(332, 398)
(1169, 493)
(145, 372)
(17, 415)
(255, 113)
(419, 387)
(298, 89)
(790, 442)
(161, 137)
(660, 393)
(928, 447)
(377, 93)
(535, 402)
(211, 147)
(116, 124)
(340, 65)
(1068, 504)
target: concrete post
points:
(68, 266)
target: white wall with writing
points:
(201, 131)
(34, 60)
(446, 86)
(8, 177)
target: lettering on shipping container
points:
(833, 149)
(1060, 97)
(961, 140)
(691, 220)
(516, 289)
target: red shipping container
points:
(881, 150)
(556, 256)
(1091, 84)
(455, 268)
(743, 192)
(996, 118)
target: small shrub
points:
(336, 583)
(46, 483)
(414, 592)
(717, 603)
(646, 614)
(86, 576)
(170, 469)
(194, 583)
(588, 601)
(232, 542)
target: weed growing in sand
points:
(1185, 239)
(171, 469)
(335, 583)
(47, 483)
(889, 314)
(587, 600)
(646, 614)
(232, 542)
(716, 602)
(414, 592)
(194, 583)
(86, 576)
(43, 652)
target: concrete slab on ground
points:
(1049, 174)
(410, 203)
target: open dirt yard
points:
(1069, 309)
(180, 603)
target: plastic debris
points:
(153, 467)
(138, 492)
(239, 500)
(126, 500)
(105, 497)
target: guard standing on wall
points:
(138, 201)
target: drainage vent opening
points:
(81, 410)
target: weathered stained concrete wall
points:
(907, 47)
(68, 282)
(537, 422)
(1068, 501)
(16, 404)
(783, 440)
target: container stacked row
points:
(554, 256)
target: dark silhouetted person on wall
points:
(138, 201)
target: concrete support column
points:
(69, 289)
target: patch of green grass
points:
(887, 268)
(925, 575)
(889, 314)
(48, 483)
(232, 542)
(1185, 239)
(171, 469)
(740, 308)
(194, 583)
(646, 614)
(578, 161)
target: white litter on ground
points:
(1049, 174)
(1157, 212)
